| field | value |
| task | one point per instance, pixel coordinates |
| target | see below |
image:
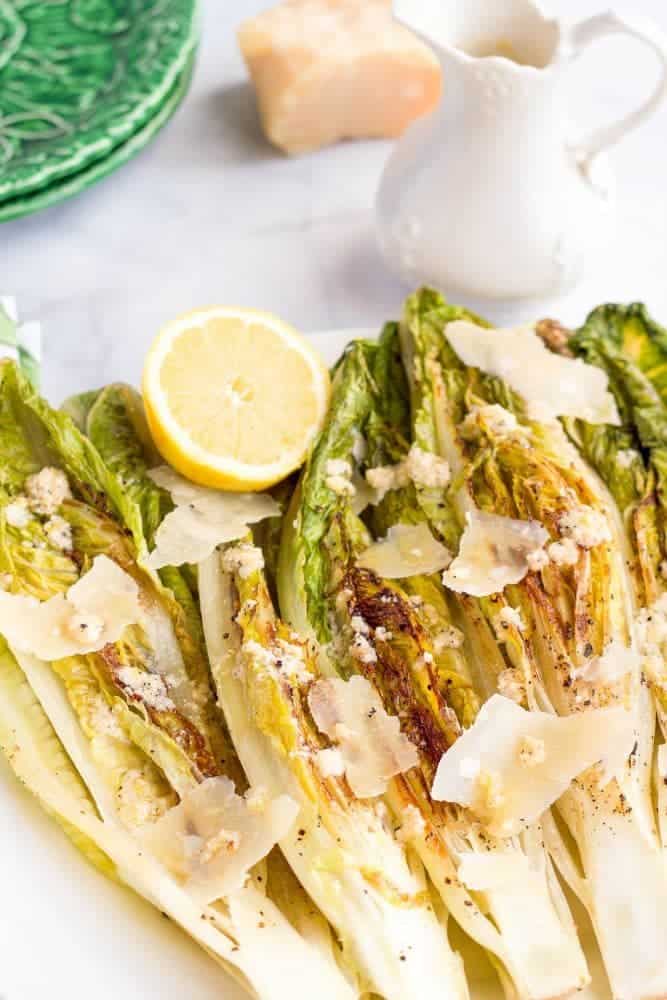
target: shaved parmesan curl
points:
(372, 746)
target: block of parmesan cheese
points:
(326, 70)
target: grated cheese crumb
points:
(338, 467)
(287, 659)
(565, 553)
(381, 634)
(359, 626)
(490, 418)
(362, 650)
(412, 826)
(509, 617)
(244, 559)
(385, 478)
(511, 685)
(59, 533)
(150, 688)
(46, 490)
(341, 486)
(291, 660)
(426, 469)
(421, 467)
(532, 751)
(17, 513)
(338, 477)
(585, 526)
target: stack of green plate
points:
(84, 84)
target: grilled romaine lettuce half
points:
(375, 899)
(401, 636)
(575, 611)
(632, 460)
(110, 741)
(114, 420)
(344, 851)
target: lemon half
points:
(234, 397)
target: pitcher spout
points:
(514, 30)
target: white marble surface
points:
(210, 213)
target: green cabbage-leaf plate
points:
(36, 201)
(80, 78)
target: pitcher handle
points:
(577, 39)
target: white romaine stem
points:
(400, 950)
(248, 942)
(525, 925)
(626, 876)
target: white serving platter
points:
(68, 933)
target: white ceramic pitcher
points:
(490, 194)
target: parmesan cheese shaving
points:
(330, 762)
(203, 519)
(486, 768)
(372, 746)
(212, 839)
(95, 611)
(550, 384)
(494, 552)
(408, 550)
(326, 70)
(364, 494)
(615, 663)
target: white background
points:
(210, 213)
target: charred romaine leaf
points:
(137, 718)
(569, 625)
(403, 636)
